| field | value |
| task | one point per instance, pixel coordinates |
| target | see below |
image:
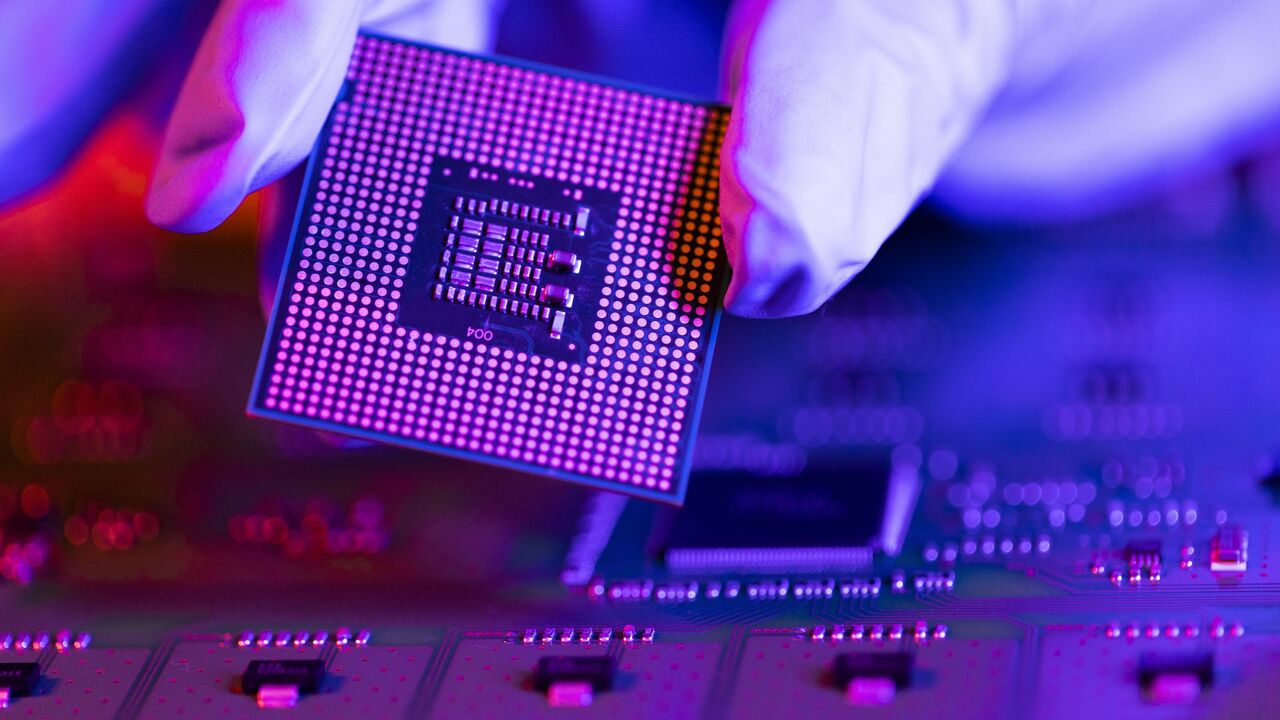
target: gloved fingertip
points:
(195, 189)
(777, 268)
(173, 206)
(788, 296)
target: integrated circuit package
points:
(506, 263)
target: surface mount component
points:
(820, 519)
(504, 263)
(872, 678)
(1174, 678)
(17, 679)
(280, 683)
(573, 680)
(1229, 551)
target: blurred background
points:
(130, 478)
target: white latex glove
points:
(263, 82)
(846, 112)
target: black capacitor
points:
(562, 261)
(557, 295)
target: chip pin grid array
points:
(358, 344)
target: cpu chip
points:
(506, 263)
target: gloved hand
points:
(846, 112)
(261, 86)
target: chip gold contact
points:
(506, 263)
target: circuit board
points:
(507, 263)
(849, 545)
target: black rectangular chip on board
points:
(826, 517)
(895, 666)
(306, 675)
(1198, 664)
(19, 678)
(597, 670)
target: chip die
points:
(505, 263)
